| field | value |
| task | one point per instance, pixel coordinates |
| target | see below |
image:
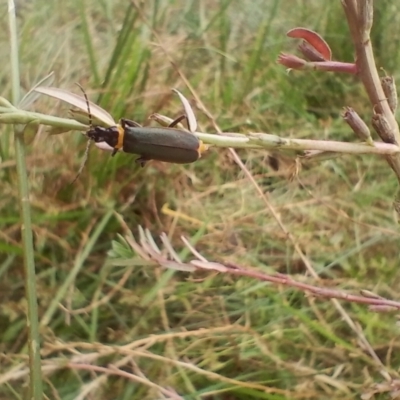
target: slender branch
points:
(146, 249)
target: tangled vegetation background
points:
(114, 329)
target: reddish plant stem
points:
(368, 72)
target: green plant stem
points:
(234, 140)
(35, 385)
(24, 117)
(274, 142)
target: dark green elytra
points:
(150, 143)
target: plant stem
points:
(274, 142)
(24, 117)
(236, 140)
(35, 386)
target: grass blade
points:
(35, 370)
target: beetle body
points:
(150, 143)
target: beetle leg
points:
(141, 161)
(176, 121)
(129, 122)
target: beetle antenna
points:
(89, 142)
(87, 104)
(84, 160)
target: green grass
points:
(201, 335)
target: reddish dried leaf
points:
(314, 39)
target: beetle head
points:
(99, 134)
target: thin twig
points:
(280, 279)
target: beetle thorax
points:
(100, 134)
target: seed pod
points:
(390, 90)
(358, 126)
(365, 17)
(382, 128)
(310, 52)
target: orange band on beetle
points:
(202, 148)
(121, 134)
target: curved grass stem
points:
(35, 385)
